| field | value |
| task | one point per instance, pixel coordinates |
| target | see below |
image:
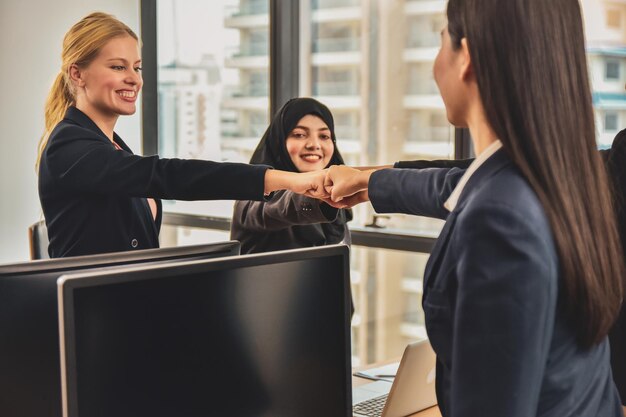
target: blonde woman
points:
(96, 195)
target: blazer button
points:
(134, 243)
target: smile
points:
(127, 94)
(311, 157)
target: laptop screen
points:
(259, 335)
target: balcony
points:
(336, 11)
(424, 40)
(424, 102)
(345, 132)
(424, 86)
(247, 15)
(251, 55)
(430, 134)
(335, 88)
(233, 130)
(334, 4)
(252, 49)
(253, 90)
(422, 7)
(336, 45)
(251, 8)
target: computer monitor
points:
(257, 335)
(30, 380)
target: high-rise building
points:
(245, 104)
(605, 27)
(189, 101)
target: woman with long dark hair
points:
(526, 277)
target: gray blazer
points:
(287, 221)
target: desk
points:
(429, 412)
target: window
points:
(371, 62)
(611, 70)
(213, 84)
(614, 19)
(611, 122)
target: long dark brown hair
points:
(529, 60)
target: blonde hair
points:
(81, 44)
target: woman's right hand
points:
(343, 182)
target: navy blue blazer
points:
(94, 197)
(491, 289)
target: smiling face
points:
(108, 86)
(310, 144)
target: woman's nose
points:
(133, 77)
(313, 142)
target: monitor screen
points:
(256, 335)
(30, 381)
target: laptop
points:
(412, 389)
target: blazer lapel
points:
(490, 167)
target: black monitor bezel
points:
(68, 283)
(230, 248)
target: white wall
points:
(31, 33)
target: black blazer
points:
(491, 288)
(94, 197)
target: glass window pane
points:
(611, 122)
(614, 18)
(370, 62)
(611, 70)
(387, 292)
(213, 84)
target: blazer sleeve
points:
(420, 192)
(80, 161)
(504, 313)
(285, 209)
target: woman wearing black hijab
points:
(301, 138)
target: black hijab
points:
(272, 150)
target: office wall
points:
(31, 34)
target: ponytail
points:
(59, 99)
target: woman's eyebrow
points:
(117, 59)
(124, 60)
(301, 127)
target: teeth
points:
(127, 94)
(312, 157)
